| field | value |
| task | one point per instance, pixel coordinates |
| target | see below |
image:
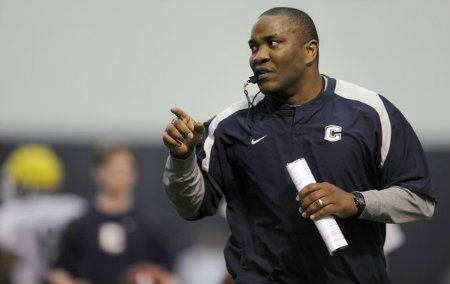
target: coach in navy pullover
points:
(368, 163)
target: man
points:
(365, 156)
(113, 235)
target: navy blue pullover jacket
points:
(350, 137)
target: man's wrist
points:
(182, 156)
(182, 165)
(360, 203)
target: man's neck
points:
(113, 203)
(309, 89)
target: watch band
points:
(360, 202)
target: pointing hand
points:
(182, 134)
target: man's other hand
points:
(318, 200)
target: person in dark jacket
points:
(368, 163)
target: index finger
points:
(181, 114)
(308, 189)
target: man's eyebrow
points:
(271, 36)
(266, 37)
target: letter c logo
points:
(333, 133)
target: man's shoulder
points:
(356, 96)
(88, 216)
(233, 113)
(354, 91)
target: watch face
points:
(359, 202)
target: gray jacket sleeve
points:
(396, 205)
(184, 185)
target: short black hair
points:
(104, 151)
(299, 18)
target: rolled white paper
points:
(301, 175)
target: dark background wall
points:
(424, 258)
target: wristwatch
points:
(360, 203)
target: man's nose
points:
(260, 56)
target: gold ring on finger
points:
(319, 202)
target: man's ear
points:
(312, 51)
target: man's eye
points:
(253, 48)
(273, 43)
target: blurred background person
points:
(395, 239)
(32, 214)
(203, 262)
(113, 234)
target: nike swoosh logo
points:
(257, 140)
